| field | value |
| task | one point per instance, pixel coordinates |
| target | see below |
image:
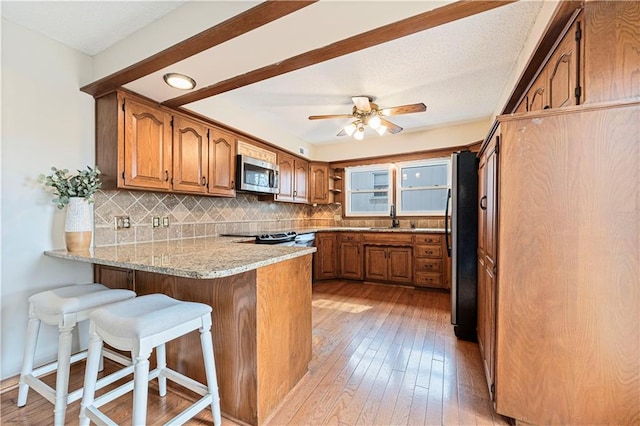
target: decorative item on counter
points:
(76, 190)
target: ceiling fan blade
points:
(362, 102)
(404, 109)
(322, 117)
(341, 133)
(391, 128)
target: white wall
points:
(46, 121)
(434, 138)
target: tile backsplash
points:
(199, 216)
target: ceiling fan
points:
(366, 113)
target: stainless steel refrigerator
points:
(462, 244)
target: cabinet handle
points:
(166, 175)
(295, 193)
(130, 277)
(204, 181)
(233, 185)
(483, 206)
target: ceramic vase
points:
(78, 226)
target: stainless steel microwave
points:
(256, 175)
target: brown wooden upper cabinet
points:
(140, 145)
(144, 155)
(190, 155)
(318, 183)
(559, 82)
(222, 166)
(293, 179)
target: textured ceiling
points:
(458, 70)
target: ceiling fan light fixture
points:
(179, 81)
(350, 128)
(374, 122)
(359, 134)
(381, 130)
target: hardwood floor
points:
(382, 355)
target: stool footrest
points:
(53, 366)
(185, 381)
(41, 387)
(190, 412)
(99, 418)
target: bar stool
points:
(139, 325)
(64, 307)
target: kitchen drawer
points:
(388, 238)
(428, 251)
(429, 279)
(428, 265)
(428, 239)
(350, 236)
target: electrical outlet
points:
(165, 222)
(155, 221)
(122, 222)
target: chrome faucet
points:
(394, 220)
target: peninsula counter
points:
(261, 300)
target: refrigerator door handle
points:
(446, 223)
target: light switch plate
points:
(165, 222)
(155, 222)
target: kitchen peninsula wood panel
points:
(261, 332)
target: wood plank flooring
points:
(382, 355)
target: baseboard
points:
(9, 384)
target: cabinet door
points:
(491, 200)
(190, 155)
(222, 163)
(350, 260)
(285, 183)
(325, 258)
(375, 263)
(399, 264)
(563, 71)
(537, 96)
(482, 211)
(147, 146)
(301, 181)
(113, 277)
(486, 330)
(319, 183)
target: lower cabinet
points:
(350, 255)
(115, 278)
(429, 261)
(395, 257)
(387, 263)
(325, 262)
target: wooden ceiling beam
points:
(235, 26)
(386, 33)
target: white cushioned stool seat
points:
(63, 307)
(139, 325)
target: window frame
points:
(388, 167)
(399, 189)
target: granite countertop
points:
(381, 229)
(345, 229)
(200, 258)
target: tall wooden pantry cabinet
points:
(559, 230)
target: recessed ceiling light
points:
(179, 81)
